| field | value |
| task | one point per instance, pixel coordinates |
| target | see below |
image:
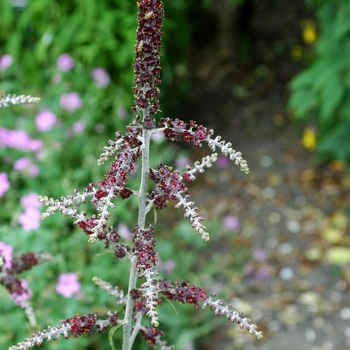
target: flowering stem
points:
(127, 344)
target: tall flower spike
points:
(147, 60)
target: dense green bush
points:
(320, 95)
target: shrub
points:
(320, 95)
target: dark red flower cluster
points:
(109, 235)
(81, 324)
(13, 284)
(190, 132)
(147, 60)
(23, 263)
(115, 180)
(183, 292)
(151, 335)
(168, 184)
(144, 248)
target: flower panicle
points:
(176, 129)
(76, 326)
(199, 167)
(234, 316)
(9, 99)
(147, 58)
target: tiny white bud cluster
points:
(17, 100)
(192, 213)
(151, 294)
(228, 151)
(232, 315)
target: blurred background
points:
(272, 77)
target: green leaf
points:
(341, 24)
(331, 99)
(302, 102)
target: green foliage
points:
(321, 93)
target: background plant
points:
(320, 95)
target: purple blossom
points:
(30, 200)
(231, 223)
(19, 139)
(24, 164)
(70, 102)
(259, 254)
(181, 162)
(45, 120)
(124, 232)
(101, 77)
(65, 62)
(30, 219)
(158, 136)
(223, 162)
(6, 252)
(169, 266)
(263, 272)
(4, 183)
(68, 284)
(79, 127)
(5, 62)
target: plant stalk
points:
(127, 345)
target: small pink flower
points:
(45, 120)
(33, 170)
(70, 102)
(231, 223)
(6, 252)
(68, 284)
(181, 162)
(4, 183)
(158, 136)
(223, 162)
(30, 200)
(101, 77)
(24, 164)
(19, 139)
(124, 232)
(30, 219)
(5, 62)
(263, 272)
(79, 127)
(169, 266)
(259, 254)
(65, 62)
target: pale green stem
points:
(127, 341)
